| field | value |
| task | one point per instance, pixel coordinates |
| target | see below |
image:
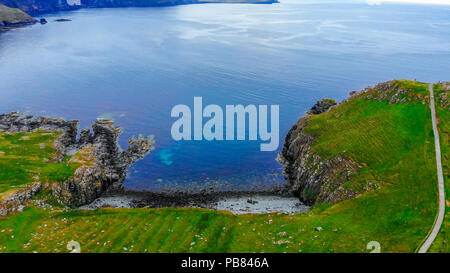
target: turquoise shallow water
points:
(135, 64)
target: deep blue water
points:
(135, 64)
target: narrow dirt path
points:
(440, 217)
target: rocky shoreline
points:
(237, 202)
(102, 164)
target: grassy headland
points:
(393, 142)
(13, 16)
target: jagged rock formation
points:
(102, 163)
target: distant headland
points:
(16, 13)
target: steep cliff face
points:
(312, 178)
(100, 163)
(325, 176)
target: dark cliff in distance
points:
(133, 3)
(36, 7)
(156, 3)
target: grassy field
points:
(442, 242)
(393, 143)
(28, 157)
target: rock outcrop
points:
(444, 97)
(310, 177)
(322, 106)
(102, 163)
(12, 201)
(392, 92)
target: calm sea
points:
(135, 64)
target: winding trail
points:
(440, 217)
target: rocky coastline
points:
(102, 164)
(308, 175)
(39, 7)
(101, 170)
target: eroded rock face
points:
(102, 162)
(310, 177)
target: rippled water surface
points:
(135, 64)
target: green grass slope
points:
(27, 158)
(392, 141)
